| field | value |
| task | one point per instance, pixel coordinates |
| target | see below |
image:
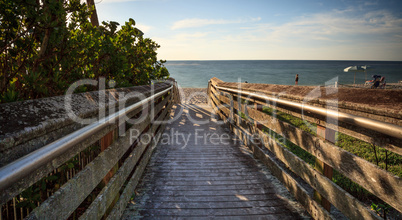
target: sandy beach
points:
(193, 95)
(388, 86)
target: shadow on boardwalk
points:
(200, 171)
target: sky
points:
(265, 29)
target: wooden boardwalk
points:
(200, 171)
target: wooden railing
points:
(90, 173)
(241, 107)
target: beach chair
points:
(382, 83)
(368, 83)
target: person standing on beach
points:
(297, 79)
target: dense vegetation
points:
(45, 46)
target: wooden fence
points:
(96, 175)
(264, 134)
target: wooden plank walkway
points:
(200, 171)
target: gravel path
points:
(193, 95)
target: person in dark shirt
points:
(297, 79)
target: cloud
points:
(336, 26)
(144, 28)
(111, 1)
(196, 22)
(368, 3)
(192, 35)
(349, 34)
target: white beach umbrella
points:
(356, 69)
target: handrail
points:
(23, 166)
(382, 127)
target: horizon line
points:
(282, 60)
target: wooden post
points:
(105, 142)
(239, 104)
(323, 168)
(255, 121)
(255, 128)
(209, 93)
(232, 109)
(176, 93)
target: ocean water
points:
(195, 74)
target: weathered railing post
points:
(231, 109)
(323, 168)
(209, 92)
(175, 91)
(105, 142)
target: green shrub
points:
(45, 46)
